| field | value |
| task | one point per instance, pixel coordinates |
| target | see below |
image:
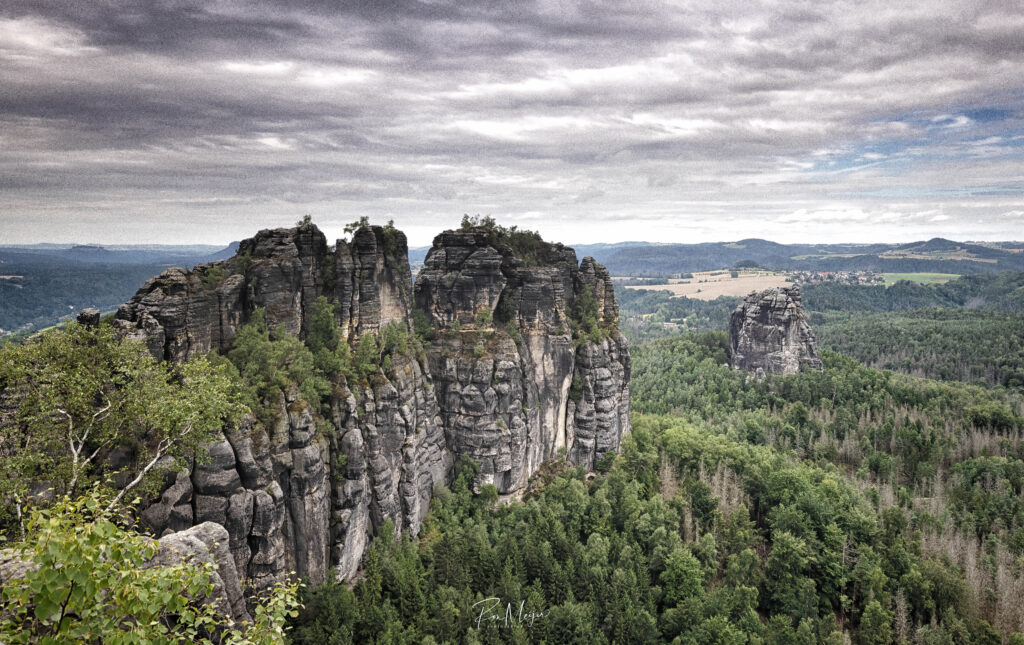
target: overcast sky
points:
(686, 121)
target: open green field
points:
(922, 278)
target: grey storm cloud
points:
(201, 121)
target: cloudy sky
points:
(675, 121)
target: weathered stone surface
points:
(218, 475)
(90, 317)
(249, 442)
(180, 313)
(503, 385)
(600, 416)
(207, 542)
(306, 493)
(13, 565)
(211, 508)
(768, 334)
(173, 511)
(308, 490)
(483, 401)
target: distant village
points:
(838, 277)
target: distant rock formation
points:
(768, 334)
(502, 380)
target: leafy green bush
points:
(512, 329)
(213, 276)
(359, 224)
(89, 584)
(367, 358)
(331, 354)
(586, 318)
(422, 326)
(484, 318)
(269, 362)
(576, 388)
(243, 260)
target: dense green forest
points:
(994, 292)
(644, 310)
(852, 502)
(945, 344)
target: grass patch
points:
(920, 278)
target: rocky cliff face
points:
(768, 334)
(503, 380)
(505, 360)
(180, 313)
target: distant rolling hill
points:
(937, 255)
(42, 284)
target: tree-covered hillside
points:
(994, 292)
(945, 344)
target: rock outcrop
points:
(207, 542)
(768, 334)
(522, 359)
(90, 317)
(182, 313)
(505, 361)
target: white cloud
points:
(825, 215)
(519, 129)
(30, 37)
(260, 68)
(674, 127)
(275, 143)
(334, 77)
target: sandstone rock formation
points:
(502, 380)
(506, 361)
(768, 334)
(182, 313)
(207, 542)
